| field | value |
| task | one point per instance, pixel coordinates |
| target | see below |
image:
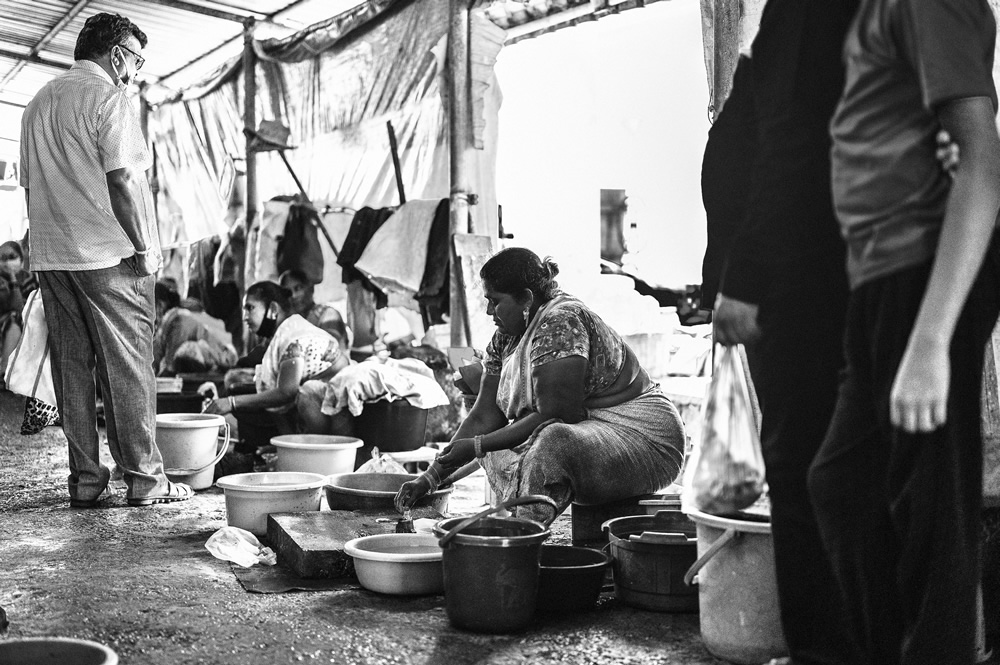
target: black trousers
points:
(899, 513)
(795, 368)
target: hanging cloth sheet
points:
(298, 246)
(408, 254)
(395, 257)
(366, 222)
(434, 293)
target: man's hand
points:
(919, 398)
(735, 321)
(146, 264)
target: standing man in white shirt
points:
(95, 248)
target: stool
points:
(588, 518)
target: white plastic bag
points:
(725, 473)
(234, 544)
(381, 463)
(29, 369)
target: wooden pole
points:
(250, 118)
(394, 149)
(151, 173)
(460, 128)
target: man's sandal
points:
(105, 494)
(175, 492)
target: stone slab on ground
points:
(311, 544)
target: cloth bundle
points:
(391, 379)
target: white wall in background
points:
(619, 103)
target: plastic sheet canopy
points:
(335, 85)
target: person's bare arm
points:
(289, 378)
(126, 202)
(918, 402)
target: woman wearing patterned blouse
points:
(564, 408)
(298, 358)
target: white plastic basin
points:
(398, 563)
(251, 497)
(316, 453)
(55, 651)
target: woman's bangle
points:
(232, 403)
(142, 252)
(477, 442)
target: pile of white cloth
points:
(388, 379)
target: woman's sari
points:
(632, 448)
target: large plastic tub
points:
(734, 573)
(325, 454)
(251, 497)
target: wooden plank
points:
(312, 543)
(472, 252)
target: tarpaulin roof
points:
(188, 39)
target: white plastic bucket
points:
(251, 497)
(316, 453)
(190, 446)
(737, 591)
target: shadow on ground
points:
(141, 581)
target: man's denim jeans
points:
(103, 320)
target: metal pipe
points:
(460, 129)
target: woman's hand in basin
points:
(457, 453)
(410, 493)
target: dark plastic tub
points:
(376, 491)
(570, 578)
(491, 572)
(392, 427)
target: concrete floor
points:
(140, 581)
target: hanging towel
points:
(396, 255)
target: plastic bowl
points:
(316, 453)
(570, 578)
(55, 651)
(398, 563)
(376, 491)
(251, 497)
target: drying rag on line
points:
(364, 225)
(396, 255)
(373, 379)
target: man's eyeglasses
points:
(139, 60)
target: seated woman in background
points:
(564, 408)
(11, 304)
(187, 341)
(297, 355)
(12, 261)
(322, 316)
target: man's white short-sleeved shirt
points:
(78, 128)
